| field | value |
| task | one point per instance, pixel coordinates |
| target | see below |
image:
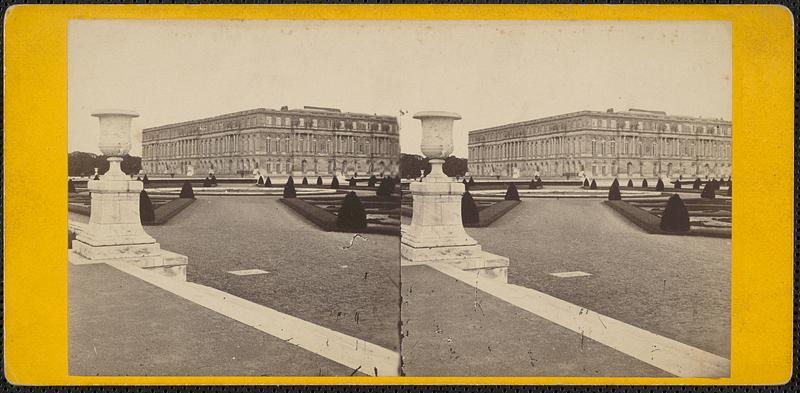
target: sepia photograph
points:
(400, 197)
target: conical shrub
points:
(469, 210)
(630, 183)
(335, 183)
(352, 216)
(71, 186)
(660, 185)
(465, 183)
(511, 193)
(471, 181)
(207, 182)
(145, 180)
(352, 182)
(644, 183)
(586, 182)
(708, 191)
(677, 184)
(372, 181)
(146, 213)
(213, 180)
(593, 186)
(305, 181)
(532, 184)
(539, 183)
(675, 217)
(319, 180)
(96, 177)
(613, 191)
(186, 191)
(730, 189)
(696, 184)
(260, 181)
(289, 190)
(386, 187)
(268, 182)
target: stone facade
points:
(634, 143)
(308, 141)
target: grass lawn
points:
(675, 286)
(314, 275)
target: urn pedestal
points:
(436, 233)
(115, 232)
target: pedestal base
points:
(145, 256)
(485, 265)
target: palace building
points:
(633, 143)
(308, 141)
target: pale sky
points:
(490, 72)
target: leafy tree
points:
(454, 166)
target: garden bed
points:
(382, 214)
(489, 210)
(651, 223)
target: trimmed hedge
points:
(305, 181)
(207, 182)
(288, 189)
(660, 185)
(469, 210)
(512, 194)
(644, 183)
(677, 184)
(630, 183)
(260, 181)
(372, 181)
(268, 182)
(319, 180)
(71, 186)
(593, 186)
(146, 213)
(675, 217)
(186, 191)
(471, 181)
(708, 191)
(613, 191)
(335, 183)
(586, 182)
(696, 184)
(386, 188)
(352, 215)
(146, 180)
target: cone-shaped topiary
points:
(351, 182)
(696, 184)
(145, 180)
(288, 189)
(186, 191)
(511, 193)
(352, 216)
(372, 181)
(532, 184)
(305, 181)
(213, 180)
(207, 182)
(471, 181)
(593, 186)
(335, 183)
(139, 178)
(268, 182)
(386, 188)
(319, 180)
(708, 191)
(539, 184)
(613, 191)
(660, 185)
(677, 184)
(146, 213)
(675, 217)
(469, 210)
(644, 183)
(71, 186)
(260, 181)
(630, 183)
(96, 177)
(465, 183)
(730, 189)
(586, 182)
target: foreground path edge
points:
(357, 354)
(669, 355)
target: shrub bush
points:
(677, 184)
(532, 184)
(146, 180)
(539, 184)
(351, 182)
(696, 184)
(213, 180)
(96, 177)
(630, 183)
(352, 216)
(319, 180)
(146, 212)
(288, 189)
(593, 186)
(471, 181)
(613, 192)
(335, 183)
(386, 188)
(660, 185)
(268, 182)
(644, 183)
(305, 181)
(708, 191)
(730, 189)
(260, 181)
(469, 210)
(675, 217)
(511, 193)
(71, 186)
(372, 181)
(716, 184)
(207, 182)
(586, 182)
(186, 191)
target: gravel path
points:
(314, 275)
(675, 286)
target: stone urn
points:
(437, 140)
(115, 138)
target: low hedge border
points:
(652, 224)
(486, 216)
(163, 213)
(326, 220)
